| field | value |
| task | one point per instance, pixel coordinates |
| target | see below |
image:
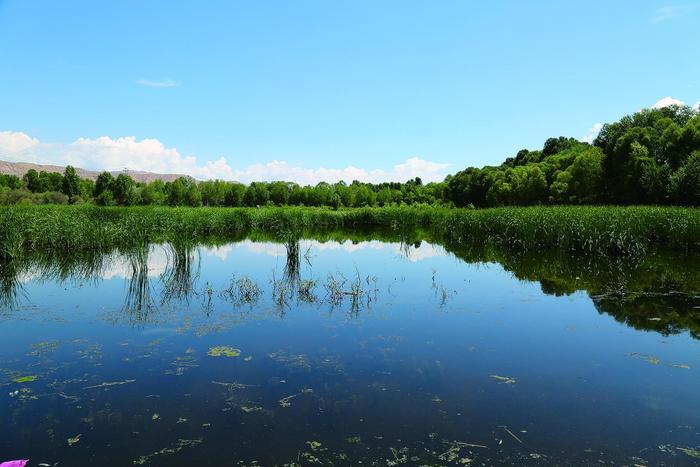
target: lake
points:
(340, 352)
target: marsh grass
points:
(139, 302)
(243, 290)
(600, 230)
(305, 290)
(360, 292)
(181, 274)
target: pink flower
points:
(14, 463)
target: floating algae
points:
(24, 394)
(232, 386)
(25, 379)
(504, 379)
(110, 384)
(647, 358)
(41, 348)
(182, 364)
(251, 409)
(223, 351)
(690, 452)
(314, 445)
(179, 446)
(285, 401)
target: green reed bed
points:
(599, 230)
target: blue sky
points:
(213, 88)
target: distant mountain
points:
(21, 168)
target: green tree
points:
(153, 193)
(71, 183)
(124, 190)
(102, 183)
(31, 178)
(234, 194)
(685, 183)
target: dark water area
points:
(360, 352)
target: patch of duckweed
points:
(223, 351)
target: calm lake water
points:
(342, 353)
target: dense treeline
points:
(651, 157)
(122, 190)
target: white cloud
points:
(666, 102)
(163, 83)
(667, 13)
(696, 107)
(106, 153)
(220, 252)
(12, 143)
(592, 133)
(281, 170)
(412, 253)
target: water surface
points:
(349, 353)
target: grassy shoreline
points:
(583, 229)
